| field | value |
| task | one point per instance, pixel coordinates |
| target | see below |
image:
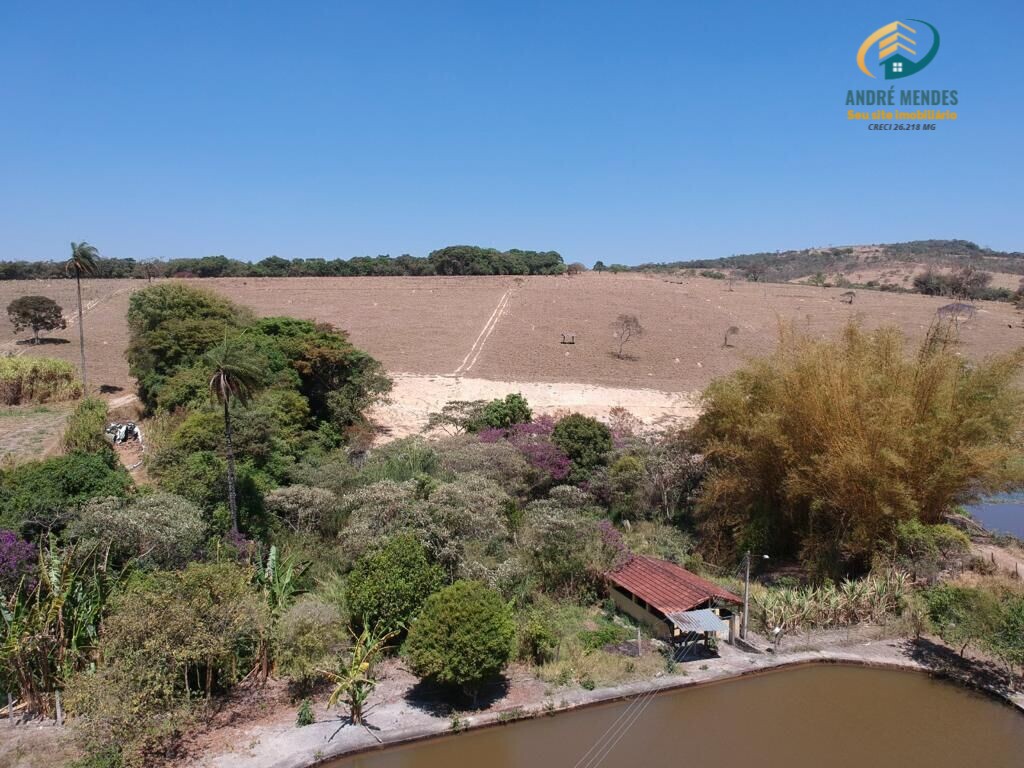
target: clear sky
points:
(619, 131)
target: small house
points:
(677, 605)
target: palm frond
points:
(233, 373)
(83, 259)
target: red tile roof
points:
(665, 586)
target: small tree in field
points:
(626, 327)
(463, 636)
(36, 312)
(575, 269)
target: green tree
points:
(36, 312)
(387, 587)
(82, 262)
(584, 440)
(1007, 641)
(233, 375)
(503, 413)
(170, 328)
(464, 636)
(962, 616)
(39, 494)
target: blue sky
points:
(625, 132)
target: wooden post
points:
(59, 708)
(10, 709)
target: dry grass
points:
(31, 431)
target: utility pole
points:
(746, 599)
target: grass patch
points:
(37, 380)
(580, 658)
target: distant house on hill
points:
(674, 603)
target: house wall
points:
(659, 627)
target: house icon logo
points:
(897, 42)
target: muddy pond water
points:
(807, 717)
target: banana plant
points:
(355, 680)
(51, 631)
(280, 581)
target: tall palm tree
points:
(82, 262)
(233, 374)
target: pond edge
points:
(583, 699)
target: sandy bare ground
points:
(415, 397)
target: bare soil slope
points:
(509, 329)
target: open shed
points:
(676, 604)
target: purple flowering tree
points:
(18, 560)
(613, 546)
(533, 439)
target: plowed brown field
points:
(509, 329)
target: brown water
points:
(809, 717)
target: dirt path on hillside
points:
(1008, 559)
(415, 397)
(485, 333)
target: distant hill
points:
(920, 266)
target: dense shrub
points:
(533, 440)
(500, 462)
(168, 638)
(387, 586)
(37, 380)
(961, 615)
(84, 430)
(586, 441)
(18, 562)
(302, 508)
(567, 550)
(463, 636)
(308, 639)
(39, 494)
(626, 478)
(536, 635)
(925, 550)
(821, 449)
(458, 522)
(662, 541)
(157, 529)
(400, 460)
